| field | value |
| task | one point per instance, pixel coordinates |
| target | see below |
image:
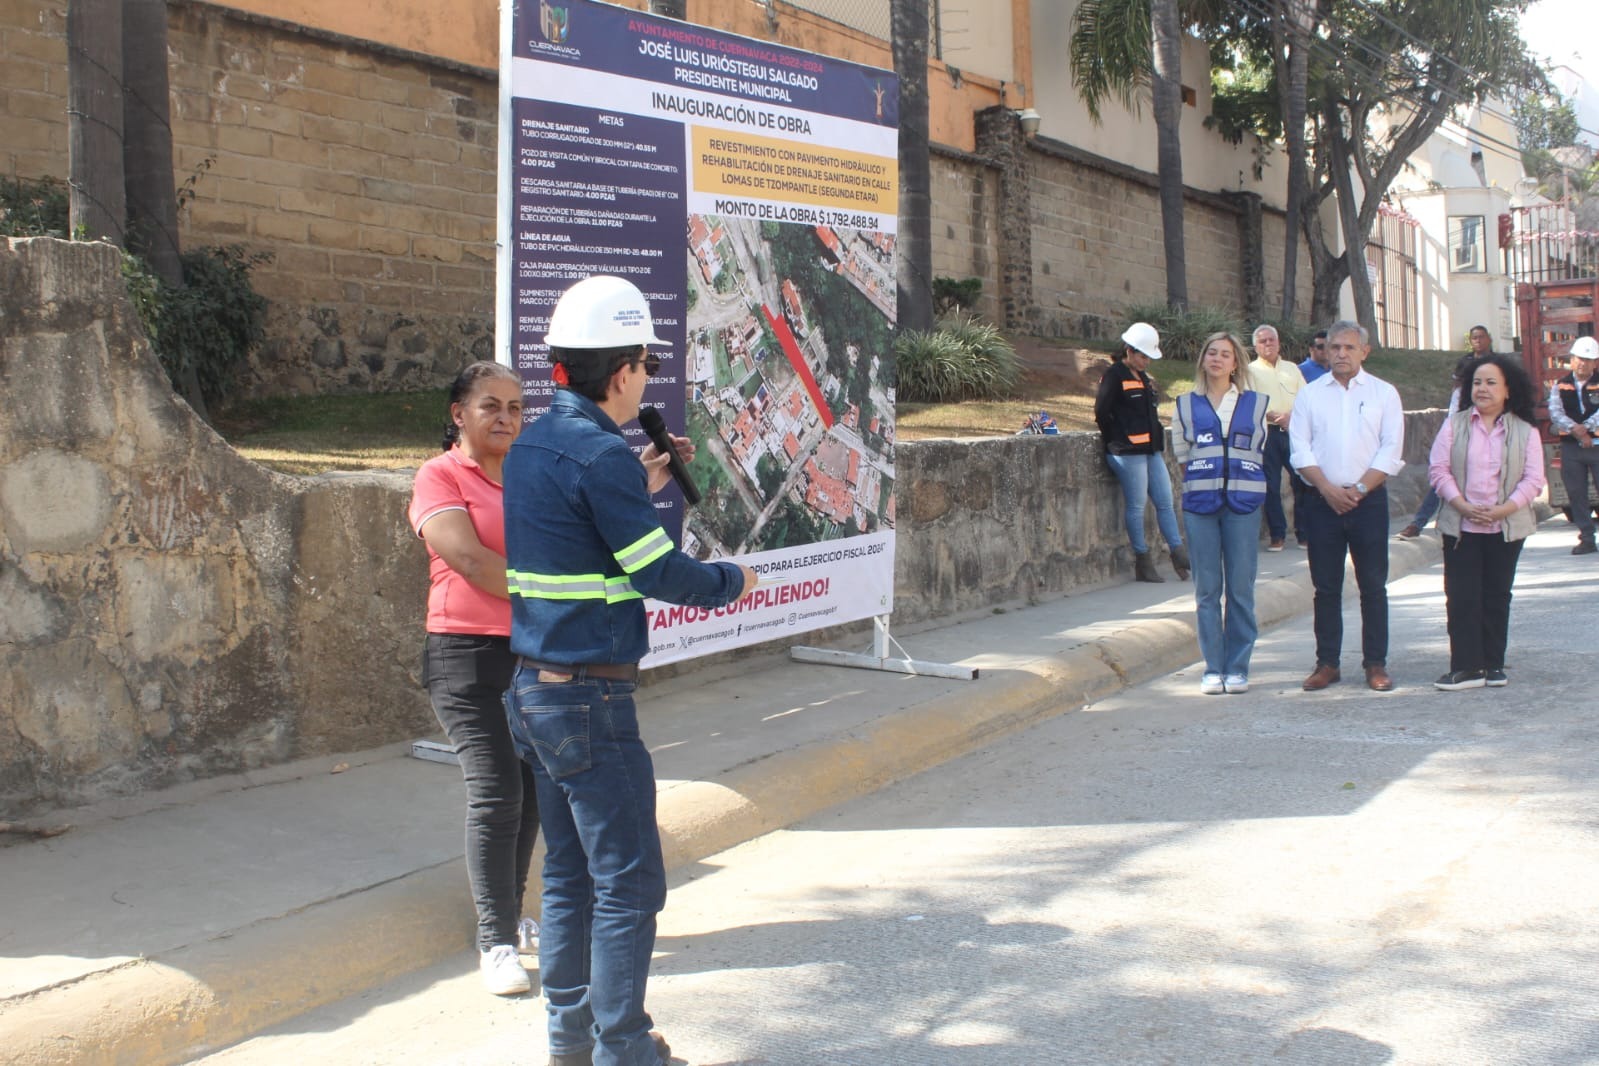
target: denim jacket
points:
(583, 544)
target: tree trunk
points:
(1167, 85)
(1298, 18)
(147, 159)
(1349, 219)
(915, 259)
(94, 120)
(147, 145)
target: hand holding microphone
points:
(654, 427)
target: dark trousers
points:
(1479, 569)
(1275, 462)
(466, 678)
(1579, 465)
(1362, 535)
(1301, 490)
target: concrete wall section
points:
(172, 610)
(1005, 520)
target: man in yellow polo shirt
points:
(1280, 380)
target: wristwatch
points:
(1360, 487)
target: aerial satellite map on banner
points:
(751, 192)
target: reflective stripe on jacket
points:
(583, 544)
(1125, 411)
(1223, 468)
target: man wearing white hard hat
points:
(1574, 417)
(584, 546)
(1134, 440)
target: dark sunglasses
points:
(652, 364)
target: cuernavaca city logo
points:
(554, 23)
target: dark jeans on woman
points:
(1363, 535)
(466, 678)
(1479, 569)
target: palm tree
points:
(94, 119)
(1118, 47)
(915, 241)
(1167, 85)
(1292, 28)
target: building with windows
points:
(1455, 198)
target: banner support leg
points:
(882, 642)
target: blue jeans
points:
(604, 878)
(1222, 549)
(1363, 535)
(1275, 461)
(1144, 479)
(1428, 508)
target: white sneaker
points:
(527, 936)
(1212, 685)
(502, 971)
(1236, 683)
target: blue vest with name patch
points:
(1225, 468)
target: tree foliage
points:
(1547, 129)
(1121, 49)
(1381, 77)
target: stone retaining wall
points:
(173, 611)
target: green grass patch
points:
(313, 434)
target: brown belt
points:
(559, 672)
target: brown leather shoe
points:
(1321, 677)
(1377, 679)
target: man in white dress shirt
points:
(1346, 438)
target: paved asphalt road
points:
(1163, 877)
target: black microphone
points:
(654, 427)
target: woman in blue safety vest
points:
(1219, 440)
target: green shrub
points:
(956, 294)
(211, 324)
(1181, 333)
(963, 359)
(929, 366)
(33, 208)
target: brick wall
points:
(369, 175)
(965, 236)
(371, 178)
(1097, 246)
(33, 88)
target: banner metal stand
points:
(879, 658)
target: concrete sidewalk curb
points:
(198, 999)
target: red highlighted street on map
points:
(785, 337)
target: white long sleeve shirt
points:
(1347, 431)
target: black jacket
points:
(1125, 410)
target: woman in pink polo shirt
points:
(458, 509)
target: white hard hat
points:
(1142, 335)
(1585, 348)
(603, 311)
